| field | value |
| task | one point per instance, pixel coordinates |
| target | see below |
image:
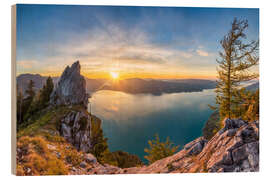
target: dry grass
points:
(35, 158)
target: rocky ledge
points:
(235, 148)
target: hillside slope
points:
(235, 148)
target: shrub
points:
(159, 150)
(55, 167)
(73, 156)
(121, 159)
(212, 126)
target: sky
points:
(135, 42)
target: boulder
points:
(90, 159)
(83, 164)
(70, 89)
(232, 124)
(196, 146)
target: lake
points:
(130, 120)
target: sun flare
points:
(114, 75)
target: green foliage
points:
(235, 61)
(41, 99)
(99, 142)
(121, 159)
(212, 126)
(158, 150)
(23, 103)
(48, 118)
(248, 107)
(83, 123)
(30, 89)
(46, 92)
(19, 107)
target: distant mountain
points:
(39, 81)
(253, 87)
(157, 87)
(132, 86)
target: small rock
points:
(196, 146)
(58, 154)
(89, 158)
(73, 169)
(28, 170)
(51, 147)
(83, 164)
(231, 132)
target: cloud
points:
(202, 53)
(27, 64)
(112, 48)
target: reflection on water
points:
(129, 121)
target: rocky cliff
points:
(75, 126)
(70, 89)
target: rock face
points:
(70, 88)
(75, 127)
(235, 148)
(196, 146)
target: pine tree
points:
(30, 89)
(236, 59)
(46, 92)
(30, 94)
(19, 107)
(41, 99)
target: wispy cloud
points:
(113, 48)
(26, 64)
(202, 53)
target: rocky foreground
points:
(235, 148)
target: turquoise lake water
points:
(129, 121)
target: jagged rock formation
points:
(196, 146)
(70, 88)
(235, 148)
(76, 129)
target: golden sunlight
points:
(114, 75)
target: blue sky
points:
(155, 42)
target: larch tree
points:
(236, 59)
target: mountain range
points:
(132, 85)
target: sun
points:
(114, 75)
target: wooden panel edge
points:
(13, 89)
